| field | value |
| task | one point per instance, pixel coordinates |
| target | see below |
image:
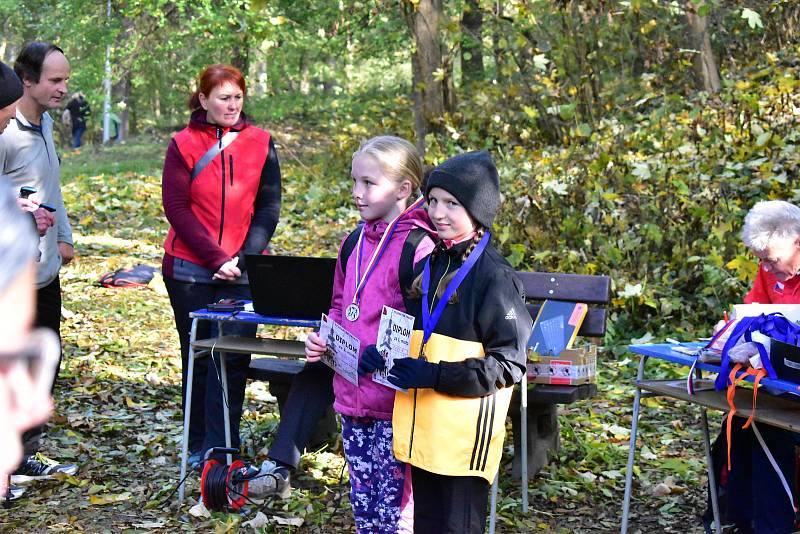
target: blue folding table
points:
(771, 409)
(223, 344)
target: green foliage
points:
(656, 200)
(611, 163)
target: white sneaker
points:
(271, 480)
(14, 492)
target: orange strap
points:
(734, 380)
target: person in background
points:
(754, 497)
(115, 123)
(24, 366)
(468, 349)
(28, 158)
(78, 111)
(221, 192)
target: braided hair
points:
(415, 290)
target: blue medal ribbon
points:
(429, 320)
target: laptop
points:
(785, 359)
(291, 286)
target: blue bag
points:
(773, 325)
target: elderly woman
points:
(754, 495)
(772, 232)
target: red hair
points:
(213, 76)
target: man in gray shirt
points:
(28, 158)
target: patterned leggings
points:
(380, 489)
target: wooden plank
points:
(772, 410)
(591, 289)
(249, 345)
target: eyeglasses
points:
(37, 358)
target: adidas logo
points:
(511, 315)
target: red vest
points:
(223, 194)
(768, 290)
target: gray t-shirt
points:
(28, 158)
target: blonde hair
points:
(398, 159)
(768, 220)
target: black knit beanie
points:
(10, 86)
(471, 178)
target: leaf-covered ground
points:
(118, 413)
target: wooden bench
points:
(542, 426)
(542, 421)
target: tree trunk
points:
(124, 87)
(472, 43)
(496, 48)
(423, 22)
(240, 58)
(706, 72)
(262, 80)
(419, 121)
(122, 94)
(305, 80)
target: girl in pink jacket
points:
(395, 235)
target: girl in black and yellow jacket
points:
(467, 351)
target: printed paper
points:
(343, 349)
(394, 341)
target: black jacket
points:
(78, 111)
(490, 309)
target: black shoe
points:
(40, 467)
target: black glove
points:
(414, 373)
(371, 360)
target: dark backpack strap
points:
(349, 245)
(406, 271)
(214, 151)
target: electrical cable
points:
(220, 484)
(225, 395)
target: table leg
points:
(523, 427)
(225, 398)
(712, 483)
(637, 398)
(187, 411)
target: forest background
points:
(631, 138)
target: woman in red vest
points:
(221, 191)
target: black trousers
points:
(48, 315)
(207, 424)
(310, 395)
(446, 504)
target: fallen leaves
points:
(108, 498)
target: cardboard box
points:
(570, 368)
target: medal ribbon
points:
(429, 319)
(361, 280)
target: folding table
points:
(223, 344)
(770, 409)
